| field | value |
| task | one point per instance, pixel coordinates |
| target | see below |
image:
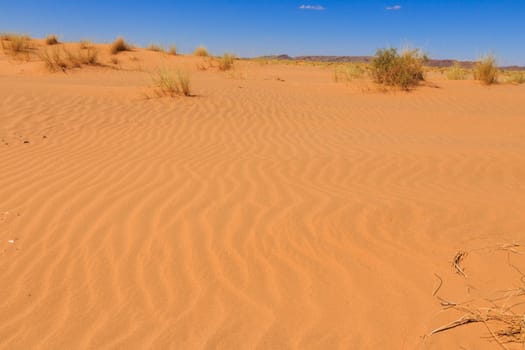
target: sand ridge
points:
(275, 209)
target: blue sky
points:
(444, 29)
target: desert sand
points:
(274, 209)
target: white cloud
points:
(393, 8)
(312, 7)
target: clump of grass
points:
(486, 70)
(89, 56)
(58, 58)
(51, 39)
(173, 50)
(403, 70)
(168, 84)
(54, 59)
(155, 47)
(85, 44)
(201, 51)
(226, 61)
(348, 72)
(15, 44)
(119, 45)
(456, 72)
(516, 78)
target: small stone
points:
(26, 141)
(11, 241)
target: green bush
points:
(403, 70)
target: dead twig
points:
(439, 286)
(458, 258)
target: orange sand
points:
(268, 214)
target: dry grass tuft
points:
(86, 44)
(168, 84)
(16, 44)
(119, 45)
(201, 51)
(173, 50)
(501, 317)
(403, 70)
(226, 62)
(456, 72)
(58, 58)
(348, 72)
(515, 78)
(486, 70)
(155, 48)
(52, 39)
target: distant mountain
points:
(365, 59)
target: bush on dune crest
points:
(119, 45)
(403, 70)
(201, 51)
(52, 40)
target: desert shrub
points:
(456, 72)
(168, 84)
(348, 72)
(486, 70)
(516, 78)
(155, 47)
(15, 44)
(173, 50)
(51, 39)
(201, 51)
(226, 61)
(403, 70)
(119, 45)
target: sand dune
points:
(276, 209)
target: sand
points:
(275, 209)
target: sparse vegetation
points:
(58, 58)
(52, 39)
(515, 77)
(403, 70)
(168, 84)
(155, 47)
(348, 72)
(85, 44)
(173, 50)
(226, 61)
(201, 51)
(15, 44)
(119, 45)
(486, 70)
(456, 72)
